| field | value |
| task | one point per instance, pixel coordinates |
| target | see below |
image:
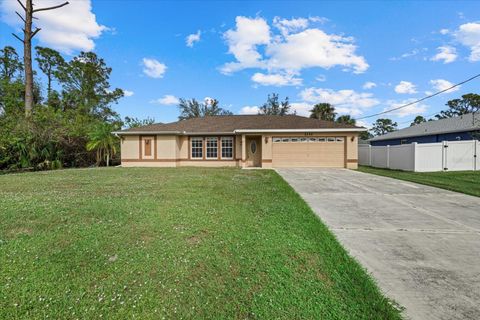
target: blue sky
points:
(363, 57)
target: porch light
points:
(266, 139)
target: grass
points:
(152, 243)
(467, 182)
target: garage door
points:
(328, 152)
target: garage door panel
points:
(309, 154)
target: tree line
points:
(468, 103)
(71, 119)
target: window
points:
(253, 147)
(212, 148)
(339, 139)
(330, 139)
(197, 148)
(403, 141)
(285, 140)
(277, 140)
(312, 140)
(294, 139)
(322, 139)
(227, 147)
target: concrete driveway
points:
(422, 244)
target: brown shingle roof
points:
(224, 124)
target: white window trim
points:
(206, 147)
(191, 148)
(221, 148)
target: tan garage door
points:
(328, 152)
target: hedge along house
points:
(465, 127)
(243, 141)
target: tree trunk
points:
(27, 58)
(108, 159)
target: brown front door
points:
(254, 152)
(148, 147)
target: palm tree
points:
(103, 141)
(323, 111)
(346, 119)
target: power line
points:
(427, 116)
(422, 99)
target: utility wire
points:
(422, 99)
(426, 118)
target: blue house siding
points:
(455, 136)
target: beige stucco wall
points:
(176, 149)
(182, 147)
(129, 147)
(238, 147)
(352, 151)
(166, 147)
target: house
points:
(450, 129)
(242, 141)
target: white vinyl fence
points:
(424, 157)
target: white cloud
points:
(413, 53)
(314, 48)
(301, 108)
(321, 78)
(405, 87)
(277, 80)
(128, 93)
(447, 54)
(363, 123)
(468, 34)
(243, 41)
(67, 29)
(167, 99)
(192, 38)
(153, 68)
(250, 110)
(369, 85)
(344, 101)
(414, 109)
(296, 47)
(441, 84)
(287, 26)
(444, 31)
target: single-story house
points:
(450, 129)
(242, 141)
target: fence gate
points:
(459, 155)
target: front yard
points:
(175, 243)
(467, 182)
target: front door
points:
(254, 152)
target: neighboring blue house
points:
(451, 129)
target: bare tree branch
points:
(35, 32)
(51, 8)
(18, 38)
(18, 14)
(24, 8)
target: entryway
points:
(254, 151)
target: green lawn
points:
(461, 181)
(151, 243)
